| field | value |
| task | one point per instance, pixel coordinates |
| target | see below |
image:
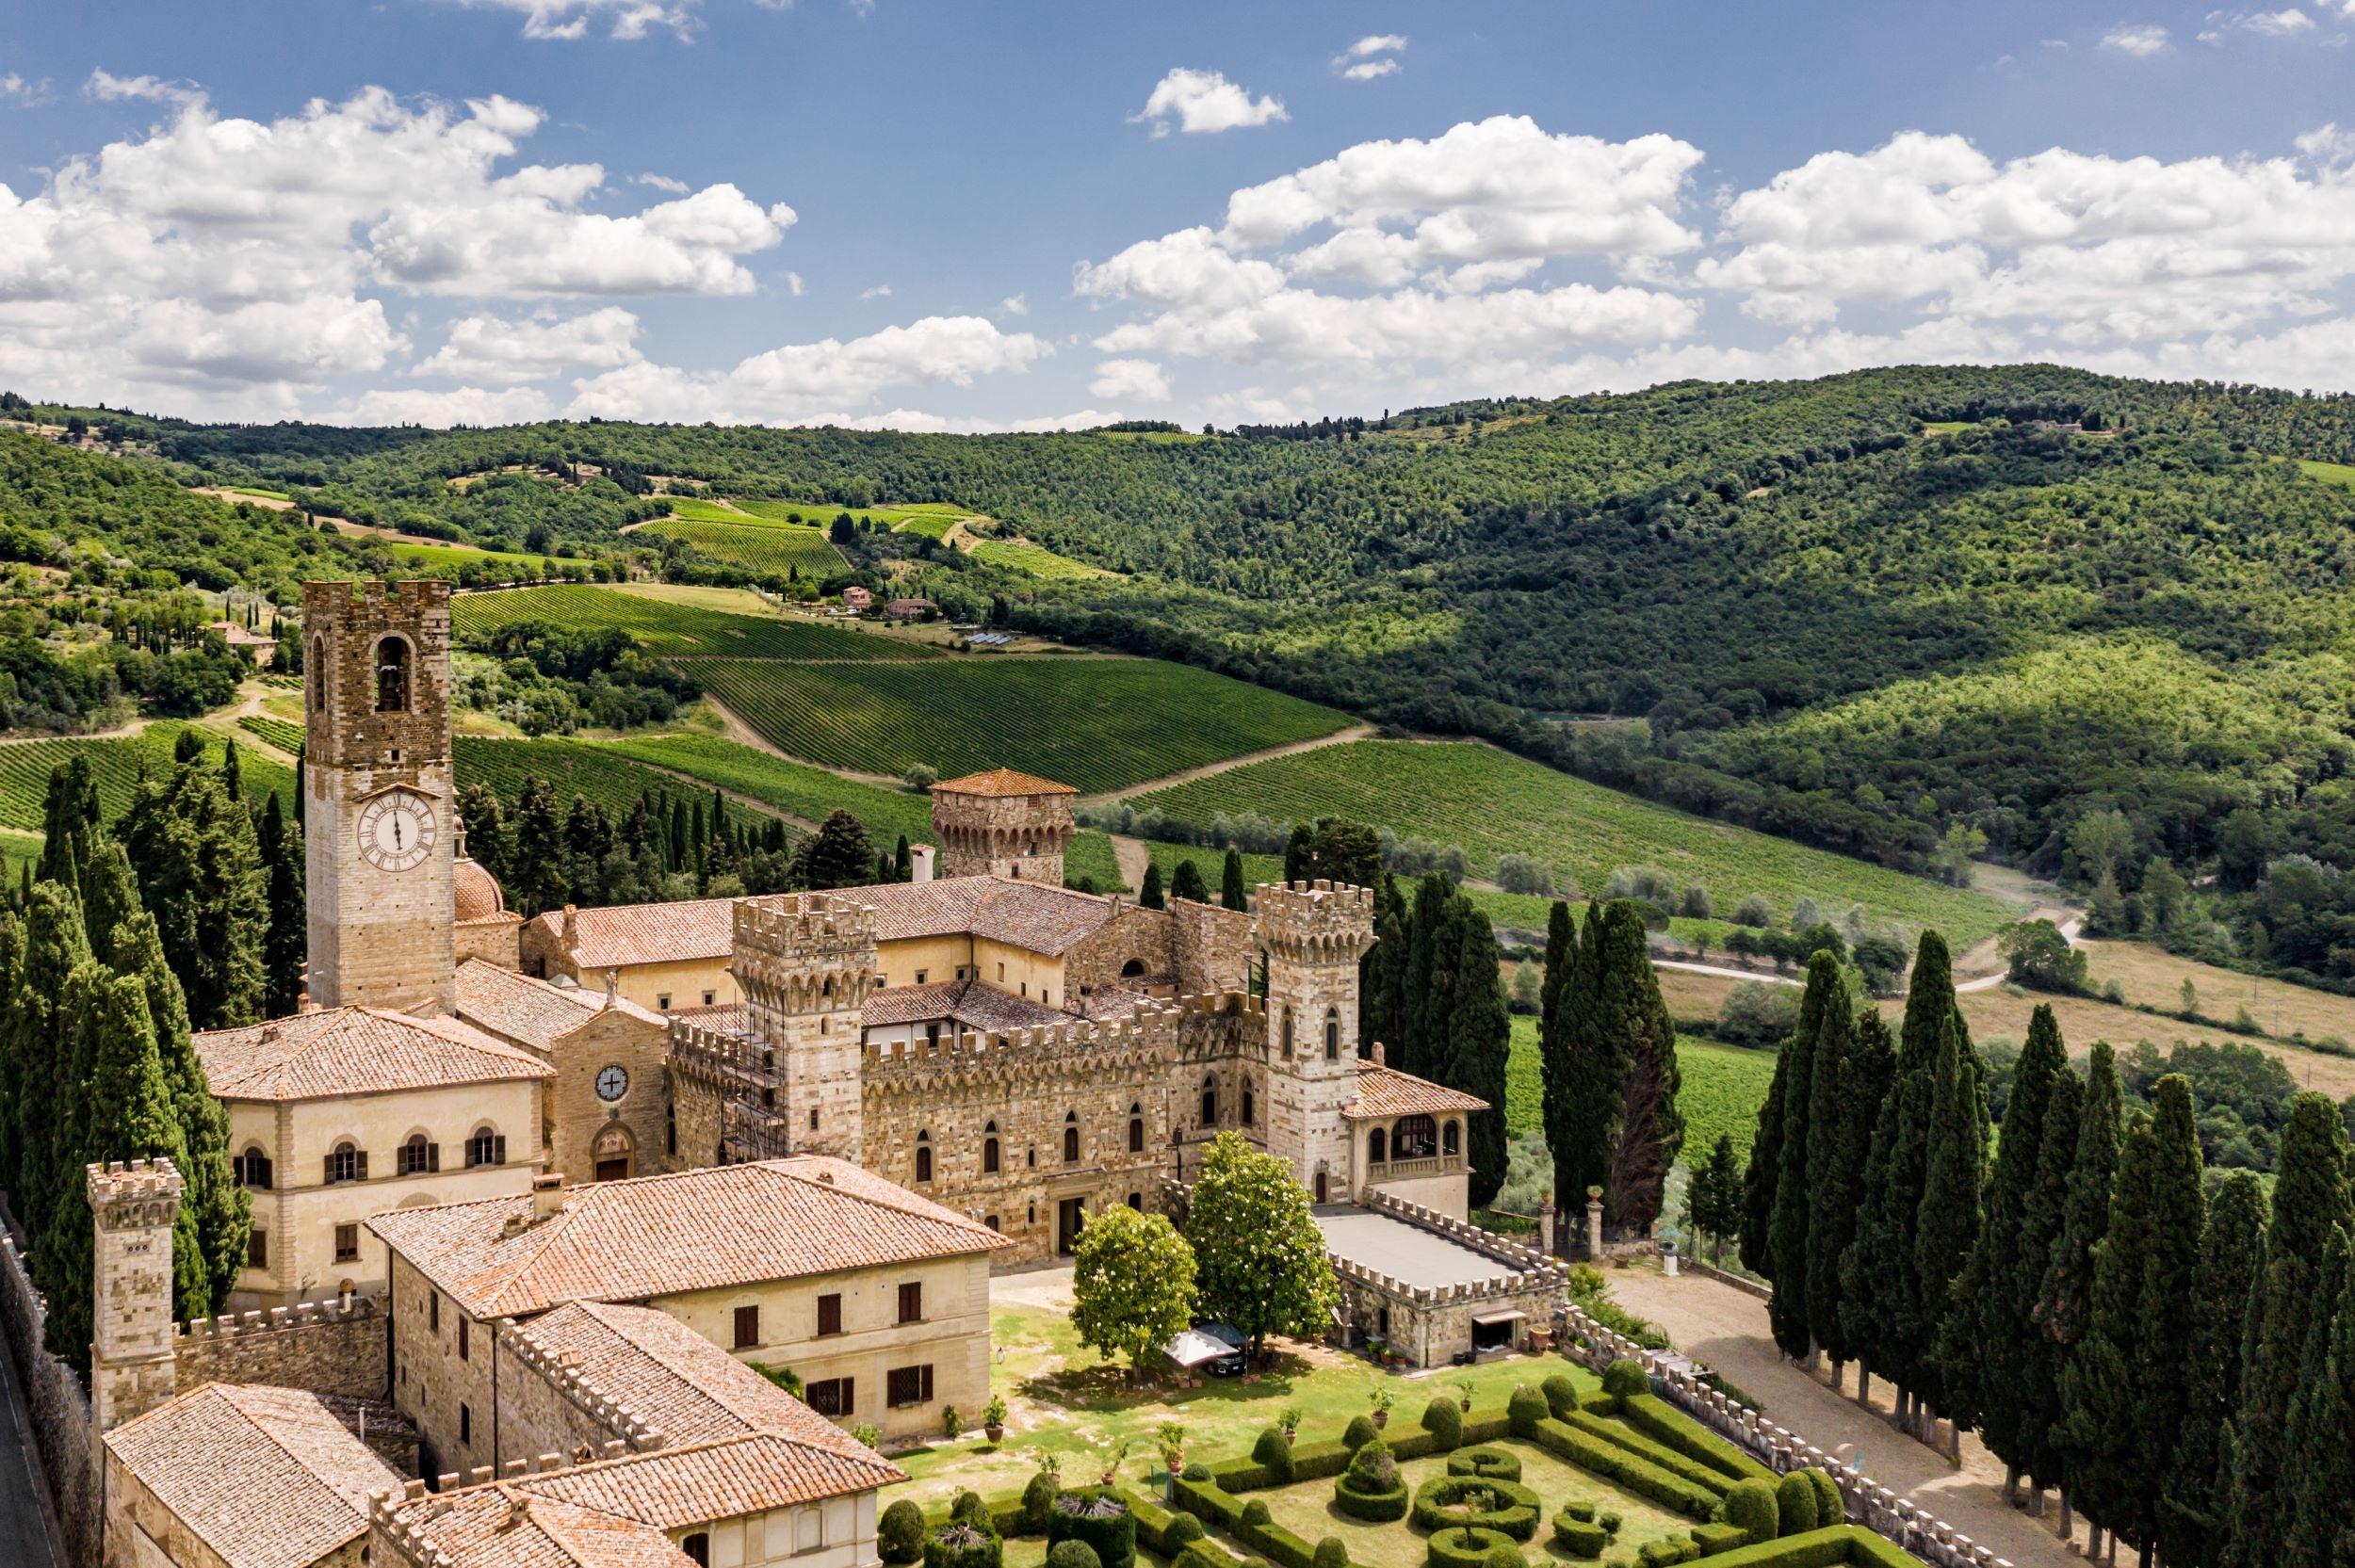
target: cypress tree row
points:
(1786, 1224)
(2319, 1522)
(1382, 993)
(2232, 1252)
(1836, 1188)
(1429, 993)
(2042, 1358)
(1948, 1227)
(2065, 1302)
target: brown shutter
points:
(331, 1167)
(364, 1165)
(499, 1149)
(850, 1397)
(434, 1157)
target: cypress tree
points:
(1628, 1009)
(1149, 896)
(1382, 993)
(69, 819)
(1428, 995)
(232, 773)
(2317, 1518)
(2098, 1386)
(111, 894)
(1866, 1062)
(1594, 1071)
(1232, 893)
(56, 946)
(902, 861)
(2232, 1252)
(200, 875)
(1762, 1176)
(1554, 1054)
(2065, 1301)
(2164, 1325)
(1482, 1036)
(2042, 1358)
(2310, 1203)
(681, 851)
(286, 950)
(12, 1071)
(1786, 1227)
(839, 855)
(1187, 884)
(541, 881)
(1948, 1227)
(1985, 1338)
(1299, 852)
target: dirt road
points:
(1339, 737)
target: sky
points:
(981, 216)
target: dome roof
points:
(475, 892)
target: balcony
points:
(1408, 1170)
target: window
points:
(1210, 1102)
(989, 1150)
(1332, 1034)
(1136, 1129)
(465, 1423)
(990, 1219)
(251, 1169)
(1071, 1138)
(908, 1386)
(346, 1243)
(1376, 1148)
(347, 1162)
(707, 995)
(317, 674)
(257, 1248)
(1134, 969)
(747, 1327)
(912, 1301)
(433, 1313)
(487, 1147)
(932, 1035)
(829, 1314)
(392, 675)
(662, 1002)
(1288, 1031)
(1001, 974)
(466, 1339)
(833, 1397)
(417, 1156)
(920, 974)
(1450, 1139)
(923, 1158)
(813, 1119)
(1414, 1138)
(670, 1130)
(698, 1548)
(1136, 1200)
(1250, 1107)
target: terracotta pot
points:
(1466, 1406)
(996, 1433)
(1381, 1419)
(1288, 1437)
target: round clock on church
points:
(396, 830)
(612, 1081)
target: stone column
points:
(1594, 1228)
(1545, 1221)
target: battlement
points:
(563, 1373)
(139, 1195)
(326, 604)
(303, 1315)
(1148, 1028)
(1222, 1004)
(1319, 922)
(813, 926)
(1487, 1243)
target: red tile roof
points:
(1383, 1092)
(1001, 781)
(531, 1010)
(966, 1002)
(620, 935)
(338, 1051)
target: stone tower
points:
(379, 801)
(1313, 934)
(1003, 824)
(131, 1370)
(806, 962)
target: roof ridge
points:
(875, 1199)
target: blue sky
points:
(965, 217)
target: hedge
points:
(1278, 1546)
(899, 1533)
(1160, 1528)
(1714, 1539)
(1667, 1552)
(1516, 1513)
(1209, 1502)
(1376, 1507)
(1830, 1507)
(1487, 1429)
(1638, 1475)
(1664, 1423)
(1492, 1463)
(1072, 1554)
(1626, 1378)
(963, 1546)
(1273, 1453)
(1796, 1506)
(1750, 1507)
(1525, 1410)
(1580, 1537)
(1448, 1549)
(1561, 1395)
(1318, 1461)
(1657, 1454)
(1204, 1554)
(1850, 1545)
(1360, 1431)
(1113, 1538)
(1443, 1418)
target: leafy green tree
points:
(285, 947)
(1232, 893)
(1712, 1199)
(1341, 850)
(2232, 1252)
(1149, 896)
(490, 840)
(543, 857)
(1300, 852)
(2100, 840)
(201, 876)
(1188, 883)
(1133, 1283)
(836, 855)
(1259, 1258)
(2039, 956)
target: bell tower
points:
(380, 802)
(1313, 934)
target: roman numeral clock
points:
(398, 830)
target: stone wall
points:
(331, 1348)
(1136, 938)
(545, 1408)
(53, 1399)
(497, 939)
(1211, 946)
(1911, 1527)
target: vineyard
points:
(612, 781)
(1036, 559)
(1092, 723)
(766, 547)
(1490, 804)
(665, 626)
(931, 517)
(118, 765)
(791, 787)
(1722, 1090)
(285, 735)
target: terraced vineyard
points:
(1094, 724)
(1490, 803)
(661, 627)
(118, 764)
(766, 548)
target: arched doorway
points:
(611, 1154)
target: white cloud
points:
(2288, 22)
(1136, 380)
(1375, 43)
(663, 182)
(811, 382)
(1205, 101)
(486, 349)
(27, 94)
(1015, 304)
(467, 405)
(2327, 145)
(106, 87)
(620, 19)
(794, 285)
(1371, 57)
(879, 291)
(2140, 40)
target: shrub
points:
(1502, 1556)
(1750, 1506)
(1490, 1463)
(1561, 1395)
(1038, 1496)
(899, 1533)
(1525, 1410)
(958, 1546)
(1455, 1547)
(1667, 1552)
(1183, 1532)
(1331, 1553)
(1273, 1455)
(1512, 1508)
(1609, 1521)
(970, 1510)
(1582, 1512)
(1794, 1505)
(1255, 1513)
(1579, 1537)
(1098, 1518)
(1712, 1539)
(1830, 1507)
(1197, 1471)
(1371, 1489)
(1073, 1553)
(1637, 1474)
(1201, 1554)
(1443, 1418)
(1360, 1431)
(1625, 1380)
(1318, 1461)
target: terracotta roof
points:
(967, 1002)
(482, 1528)
(1387, 1091)
(474, 892)
(267, 1477)
(619, 935)
(671, 1377)
(1114, 1002)
(336, 1051)
(1002, 781)
(530, 1011)
(660, 1235)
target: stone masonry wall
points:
(1136, 936)
(1213, 947)
(328, 1348)
(544, 1408)
(53, 1399)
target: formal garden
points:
(1572, 1468)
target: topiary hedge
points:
(1714, 1539)
(1370, 1488)
(1750, 1507)
(1624, 1378)
(1665, 1423)
(1667, 1551)
(1830, 1507)
(1318, 1461)
(1331, 1553)
(1513, 1509)
(1794, 1505)
(1273, 1454)
(1580, 1537)
(1638, 1475)
(1443, 1418)
(1561, 1395)
(1100, 1518)
(962, 1545)
(899, 1533)
(1850, 1545)
(1659, 1454)
(1525, 1410)
(1038, 1496)
(1457, 1547)
(1360, 1431)
(1494, 1463)
(1072, 1554)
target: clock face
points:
(396, 830)
(613, 1082)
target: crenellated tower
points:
(806, 962)
(1312, 934)
(131, 1354)
(1003, 824)
(380, 802)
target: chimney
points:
(920, 863)
(572, 927)
(547, 1195)
(1377, 1055)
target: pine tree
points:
(2231, 1252)
(200, 875)
(1149, 896)
(2042, 1359)
(1232, 893)
(2065, 1302)
(1854, 1064)
(1482, 1038)
(1650, 1124)
(1786, 1229)
(1188, 883)
(2310, 1203)
(1984, 1338)
(285, 948)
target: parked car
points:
(1211, 1347)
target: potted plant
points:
(1112, 1469)
(994, 1419)
(1289, 1418)
(1464, 1388)
(1383, 1399)
(1170, 1437)
(868, 1433)
(952, 1424)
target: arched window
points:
(1451, 1139)
(487, 1146)
(989, 1150)
(1377, 1148)
(1332, 1034)
(1134, 969)
(347, 1162)
(1136, 1129)
(315, 673)
(1414, 1138)
(1288, 1031)
(1250, 1107)
(923, 1156)
(1071, 1138)
(417, 1156)
(251, 1169)
(392, 675)
(1210, 1102)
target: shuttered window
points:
(829, 1315)
(908, 1386)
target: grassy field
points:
(934, 526)
(1036, 559)
(769, 547)
(1490, 803)
(1723, 1085)
(668, 627)
(117, 765)
(813, 514)
(1095, 724)
(461, 554)
(2335, 473)
(1256, 869)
